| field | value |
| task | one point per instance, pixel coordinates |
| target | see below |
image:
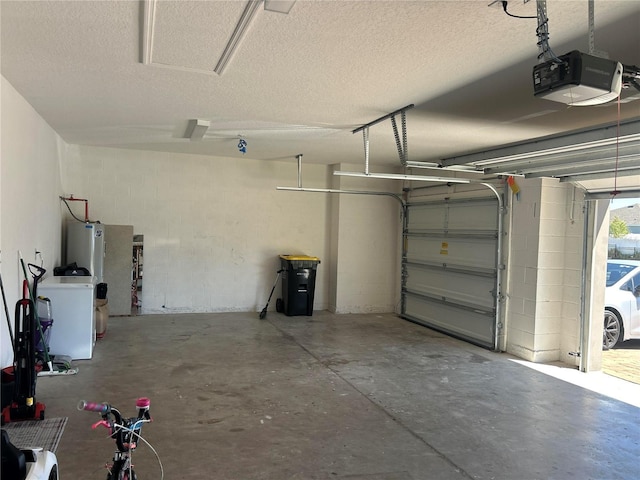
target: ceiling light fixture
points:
(196, 129)
(400, 176)
(280, 6)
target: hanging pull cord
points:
(615, 173)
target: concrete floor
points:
(359, 397)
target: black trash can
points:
(298, 283)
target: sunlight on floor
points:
(598, 382)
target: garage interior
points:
(399, 142)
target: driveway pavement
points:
(623, 361)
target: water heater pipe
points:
(86, 205)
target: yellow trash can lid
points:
(300, 258)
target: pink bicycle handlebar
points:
(94, 407)
(142, 403)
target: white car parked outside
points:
(621, 302)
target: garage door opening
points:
(621, 338)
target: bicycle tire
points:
(125, 475)
(114, 474)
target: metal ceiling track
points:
(300, 188)
(606, 195)
(403, 154)
(589, 154)
(401, 145)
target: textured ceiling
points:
(299, 83)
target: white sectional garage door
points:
(450, 266)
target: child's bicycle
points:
(125, 432)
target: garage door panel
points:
(478, 253)
(475, 217)
(424, 217)
(450, 266)
(472, 326)
(457, 287)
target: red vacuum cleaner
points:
(24, 405)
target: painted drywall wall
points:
(366, 248)
(30, 185)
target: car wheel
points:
(613, 329)
(53, 475)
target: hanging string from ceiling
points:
(615, 170)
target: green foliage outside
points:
(618, 228)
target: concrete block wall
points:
(522, 243)
(545, 268)
(560, 260)
(573, 271)
(213, 227)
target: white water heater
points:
(86, 247)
